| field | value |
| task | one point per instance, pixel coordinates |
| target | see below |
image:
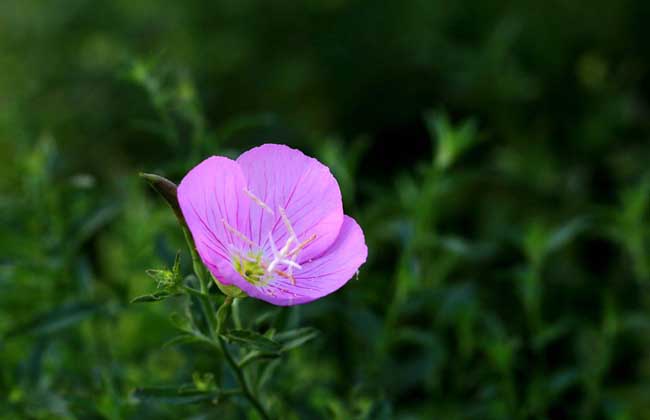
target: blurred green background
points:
(495, 153)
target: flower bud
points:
(167, 190)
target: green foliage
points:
(167, 395)
(168, 283)
(452, 141)
(252, 340)
(495, 154)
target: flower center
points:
(253, 266)
(250, 267)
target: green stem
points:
(192, 291)
(241, 378)
(239, 372)
(203, 297)
(235, 313)
(216, 324)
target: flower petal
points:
(323, 275)
(282, 177)
(215, 207)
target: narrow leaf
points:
(566, 233)
(175, 396)
(55, 319)
(295, 338)
(257, 355)
(181, 339)
(95, 223)
(154, 297)
(252, 340)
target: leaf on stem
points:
(154, 297)
(252, 340)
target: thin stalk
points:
(239, 372)
(215, 326)
(192, 291)
(241, 378)
(235, 313)
(203, 297)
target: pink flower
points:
(272, 224)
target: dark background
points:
(495, 154)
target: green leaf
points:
(154, 297)
(378, 410)
(174, 395)
(95, 223)
(452, 141)
(203, 381)
(182, 322)
(295, 338)
(560, 381)
(252, 340)
(540, 240)
(266, 317)
(257, 356)
(566, 233)
(55, 319)
(550, 334)
(181, 339)
(462, 247)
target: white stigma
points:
(280, 257)
(287, 224)
(294, 237)
(286, 256)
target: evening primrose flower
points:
(271, 223)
